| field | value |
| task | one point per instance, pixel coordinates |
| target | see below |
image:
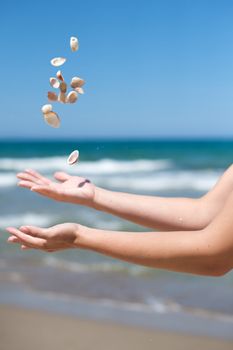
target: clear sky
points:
(153, 68)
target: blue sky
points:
(152, 68)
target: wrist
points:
(96, 202)
(103, 200)
(81, 236)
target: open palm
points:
(73, 189)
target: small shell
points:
(74, 44)
(77, 82)
(62, 97)
(60, 76)
(58, 61)
(54, 83)
(79, 90)
(63, 87)
(46, 109)
(52, 96)
(52, 119)
(72, 97)
(73, 157)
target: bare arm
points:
(167, 213)
(155, 212)
(205, 252)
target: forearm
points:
(154, 212)
(167, 213)
(176, 251)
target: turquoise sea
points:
(151, 167)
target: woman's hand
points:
(58, 237)
(72, 189)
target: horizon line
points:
(115, 138)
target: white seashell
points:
(58, 61)
(52, 119)
(46, 109)
(73, 157)
(52, 96)
(77, 82)
(62, 97)
(79, 90)
(54, 83)
(72, 97)
(74, 44)
(60, 76)
(63, 87)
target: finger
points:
(27, 239)
(24, 247)
(13, 239)
(35, 231)
(26, 184)
(29, 177)
(47, 191)
(61, 176)
(37, 175)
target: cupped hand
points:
(58, 237)
(72, 189)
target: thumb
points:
(61, 176)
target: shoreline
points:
(23, 328)
(178, 321)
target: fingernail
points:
(24, 228)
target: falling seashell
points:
(72, 97)
(60, 76)
(74, 44)
(46, 109)
(52, 96)
(63, 87)
(52, 119)
(79, 90)
(73, 157)
(58, 61)
(77, 82)
(54, 83)
(62, 97)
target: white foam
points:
(155, 175)
(43, 164)
(109, 166)
(182, 180)
(7, 179)
(27, 219)
(103, 166)
(79, 267)
(103, 266)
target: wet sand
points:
(29, 329)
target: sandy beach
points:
(28, 329)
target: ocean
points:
(90, 284)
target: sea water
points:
(150, 167)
